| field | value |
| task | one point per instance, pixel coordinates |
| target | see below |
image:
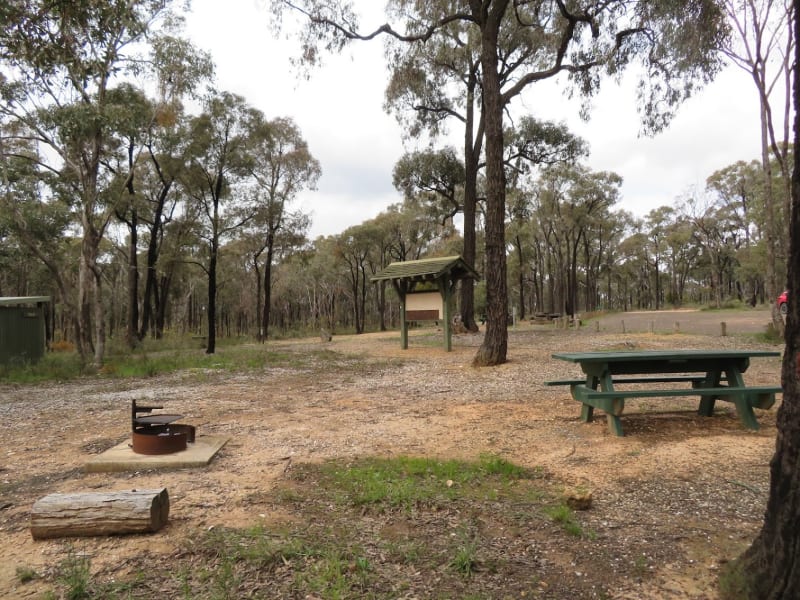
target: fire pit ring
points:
(157, 433)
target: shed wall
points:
(22, 333)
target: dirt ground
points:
(685, 493)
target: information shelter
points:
(424, 305)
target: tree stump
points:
(89, 514)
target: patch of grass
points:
(409, 482)
(53, 367)
(564, 515)
(75, 582)
(770, 335)
(465, 559)
(26, 574)
(158, 357)
(74, 576)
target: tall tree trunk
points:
(521, 276)
(261, 334)
(160, 296)
(131, 330)
(267, 286)
(770, 568)
(212, 296)
(99, 319)
(149, 299)
(493, 350)
(472, 146)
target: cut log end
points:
(93, 514)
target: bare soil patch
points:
(673, 500)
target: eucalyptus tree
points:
(739, 188)
(431, 84)
(165, 147)
(657, 223)
(325, 282)
(635, 262)
(435, 178)
(35, 221)
(762, 45)
(673, 41)
(718, 236)
(604, 231)
(682, 255)
(532, 144)
(573, 206)
(611, 267)
(219, 160)
(152, 142)
(281, 166)
(59, 63)
(394, 241)
(770, 568)
(352, 249)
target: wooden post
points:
(86, 514)
(597, 325)
(723, 329)
(623, 326)
(677, 327)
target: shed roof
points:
(17, 300)
(427, 269)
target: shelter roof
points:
(17, 300)
(427, 269)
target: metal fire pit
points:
(158, 434)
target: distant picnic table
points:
(710, 374)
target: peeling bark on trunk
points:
(495, 342)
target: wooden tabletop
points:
(660, 355)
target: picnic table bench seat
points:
(693, 379)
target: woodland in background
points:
(143, 201)
(571, 251)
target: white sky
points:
(339, 111)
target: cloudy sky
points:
(339, 112)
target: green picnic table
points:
(710, 374)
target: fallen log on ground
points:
(90, 514)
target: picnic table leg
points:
(742, 402)
(587, 410)
(706, 408)
(745, 411)
(616, 408)
(614, 425)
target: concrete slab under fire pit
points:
(122, 457)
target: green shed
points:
(23, 328)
